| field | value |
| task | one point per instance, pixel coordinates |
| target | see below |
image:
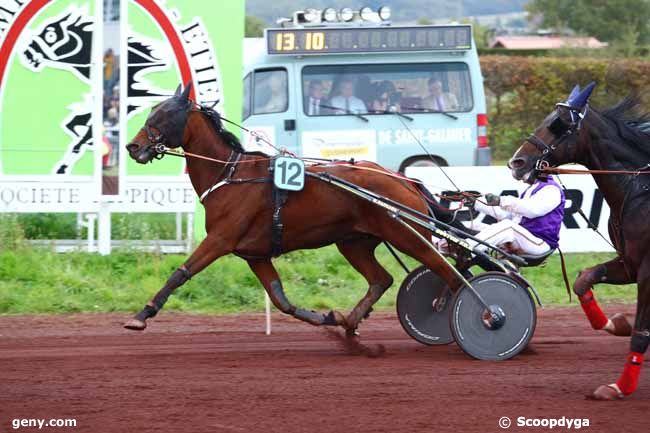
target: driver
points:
(529, 224)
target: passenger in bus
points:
(364, 89)
(276, 89)
(385, 99)
(345, 102)
(313, 102)
(438, 100)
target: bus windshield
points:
(386, 88)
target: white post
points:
(97, 89)
(190, 232)
(90, 226)
(104, 230)
(179, 226)
(267, 305)
(124, 101)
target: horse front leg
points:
(612, 272)
(268, 276)
(207, 252)
(629, 379)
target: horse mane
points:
(228, 137)
(632, 125)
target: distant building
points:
(545, 42)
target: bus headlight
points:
(310, 15)
(346, 14)
(366, 13)
(384, 13)
(329, 15)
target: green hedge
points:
(521, 91)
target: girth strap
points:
(279, 198)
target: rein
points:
(558, 170)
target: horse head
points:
(63, 42)
(163, 128)
(555, 141)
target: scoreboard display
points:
(320, 40)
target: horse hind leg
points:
(612, 272)
(268, 276)
(629, 379)
(361, 255)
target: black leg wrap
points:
(278, 294)
(147, 312)
(309, 316)
(178, 278)
(329, 319)
(640, 340)
(600, 275)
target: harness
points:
(230, 166)
(561, 130)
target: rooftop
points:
(545, 42)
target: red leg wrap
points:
(630, 378)
(591, 308)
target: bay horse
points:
(615, 147)
(235, 188)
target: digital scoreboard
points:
(337, 40)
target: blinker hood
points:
(170, 117)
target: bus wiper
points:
(393, 110)
(330, 107)
(424, 110)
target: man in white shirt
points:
(346, 102)
(529, 224)
(313, 102)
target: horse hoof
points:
(622, 327)
(605, 393)
(352, 333)
(135, 325)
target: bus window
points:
(381, 88)
(270, 91)
(246, 106)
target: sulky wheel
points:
(423, 307)
(503, 330)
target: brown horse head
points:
(555, 141)
(163, 128)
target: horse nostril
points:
(516, 163)
(132, 147)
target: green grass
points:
(40, 281)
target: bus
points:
(349, 85)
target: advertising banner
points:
(77, 81)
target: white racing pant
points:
(504, 231)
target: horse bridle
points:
(158, 142)
(561, 130)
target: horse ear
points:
(178, 90)
(581, 100)
(575, 92)
(186, 92)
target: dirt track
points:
(222, 374)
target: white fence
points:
(143, 194)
